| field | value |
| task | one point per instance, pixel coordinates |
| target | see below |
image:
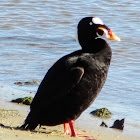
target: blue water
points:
(34, 34)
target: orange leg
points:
(73, 133)
(66, 129)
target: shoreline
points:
(8, 131)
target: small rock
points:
(118, 124)
(103, 124)
(1, 125)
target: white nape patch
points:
(76, 36)
(97, 20)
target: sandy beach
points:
(8, 129)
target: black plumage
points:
(73, 82)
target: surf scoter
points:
(73, 82)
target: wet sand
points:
(8, 129)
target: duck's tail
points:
(30, 123)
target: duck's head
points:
(91, 28)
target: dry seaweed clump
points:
(26, 100)
(34, 82)
(102, 113)
(8, 113)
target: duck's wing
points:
(58, 82)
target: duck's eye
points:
(103, 33)
(100, 32)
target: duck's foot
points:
(72, 133)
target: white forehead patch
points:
(97, 20)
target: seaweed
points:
(34, 82)
(25, 100)
(102, 113)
